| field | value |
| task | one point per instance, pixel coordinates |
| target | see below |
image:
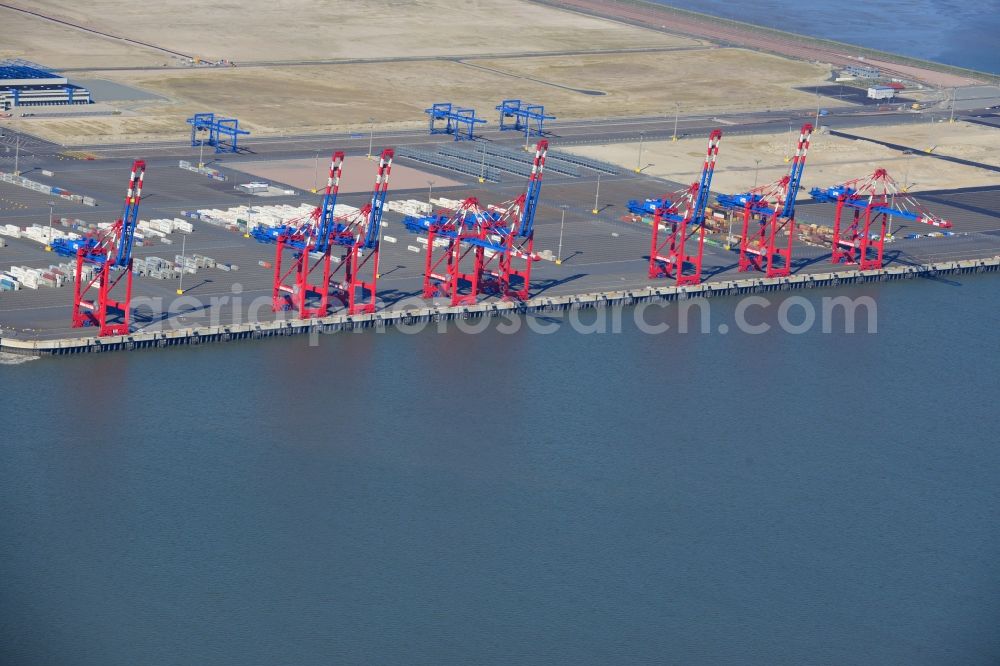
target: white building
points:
(881, 92)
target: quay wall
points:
(341, 322)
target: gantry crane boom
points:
(682, 216)
(130, 216)
(109, 251)
(374, 219)
(795, 173)
(771, 208)
(325, 225)
(527, 225)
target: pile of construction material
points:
(160, 229)
(46, 189)
(156, 268)
(215, 174)
(38, 233)
(715, 221)
(191, 263)
(815, 234)
(244, 218)
(11, 230)
(411, 207)
(165, 269)
(450, 204)
(56, 275)
(147, 231)
(15, 231)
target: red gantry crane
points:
(292, 288)
(453, 240)
(520, 241)
(359, 234)
(681, 216)
(768, 213)
(475, 250)
(312, 240)
(873, 201)
(110, 252)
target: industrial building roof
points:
(20, 72)
(58, 86)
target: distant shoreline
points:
(748, 35)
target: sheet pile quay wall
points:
(540, 304)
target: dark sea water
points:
(964, 34)
(561, 498)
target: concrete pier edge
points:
(342, 322)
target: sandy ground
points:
(651, 82)
(292, 30)
(164, 120)
(58, 46)
(831, 160)
(358, 174)
(965, 140)
(323, 98)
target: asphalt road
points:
(569, 132)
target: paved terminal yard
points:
(599, 252)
